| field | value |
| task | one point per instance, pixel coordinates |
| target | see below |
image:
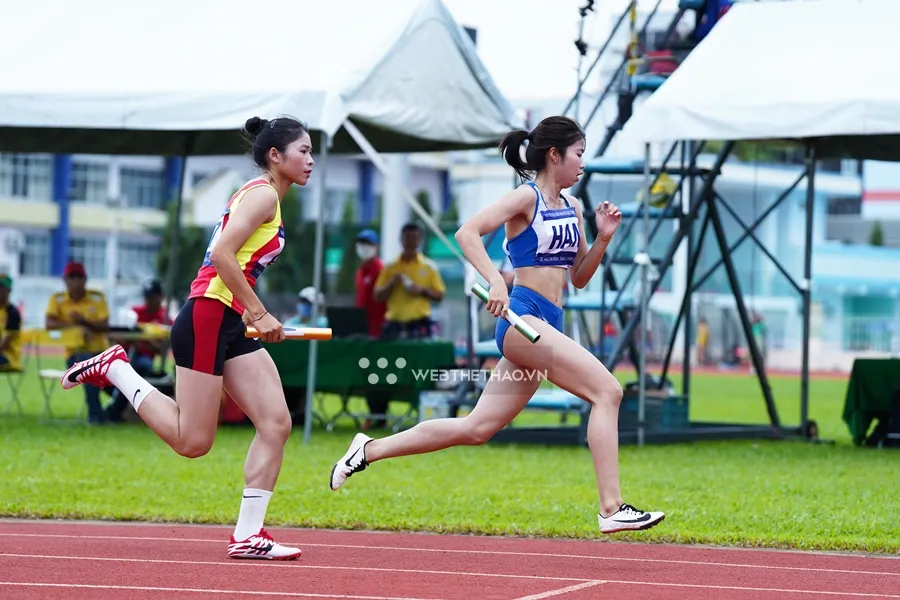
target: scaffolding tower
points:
(694, 202)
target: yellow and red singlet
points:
(258, 252)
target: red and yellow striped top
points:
(258, 252)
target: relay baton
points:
(298, 333)
(514, 319)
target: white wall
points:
(207, 165)
(207, 201)
(478, 185)
(225, 174)
(882, 190)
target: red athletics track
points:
(104, 561)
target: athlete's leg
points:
(252, 380)
(188, 425)
(503, 398)
(574, 369)
(507, 392)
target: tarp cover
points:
(107, 76)
(776, 69)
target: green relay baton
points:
(514, 319)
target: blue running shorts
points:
(524, 301)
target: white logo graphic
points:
(444, 378)
(382, 363)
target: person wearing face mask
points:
(366, 276)
(304, 317)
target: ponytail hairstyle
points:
(278, 133)
(552, 132)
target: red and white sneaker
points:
(261, 546)
(93, 370)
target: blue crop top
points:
(550, 240)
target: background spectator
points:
(307, 299)
(10, 328)
(87, 309)
(366, 276)
(409, 286)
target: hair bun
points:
(254, 125)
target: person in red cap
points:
(87, 309)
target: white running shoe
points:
(629, 518)
(352, 462)
(261, 546)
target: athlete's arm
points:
(257, 207)
(517, 202)
(587, 259)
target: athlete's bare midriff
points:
(546, 281)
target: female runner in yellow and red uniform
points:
(209, 343)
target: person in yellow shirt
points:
(702, 341)
(87, 309)
(10, 328)
(409, 286)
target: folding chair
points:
(13, 377)
(38, 339)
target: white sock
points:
(134, 387)
(253, 512)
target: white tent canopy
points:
(776, 69)
(180, 77)
(143, 78)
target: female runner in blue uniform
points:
(545, 242)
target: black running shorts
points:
(206, 333)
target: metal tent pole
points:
(317, 285)
(688, 331)
(644, 260)
(806, 284)
(176, 223)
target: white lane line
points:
(287, 565)
(533, 597)
(484, 552)
(751, 589)
(561, 591)
(89, 523)
(142, 588)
